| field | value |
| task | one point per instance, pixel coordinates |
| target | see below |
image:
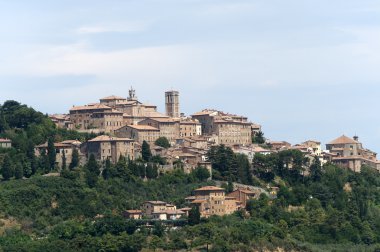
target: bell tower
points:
(172, 103)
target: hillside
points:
(330, 210)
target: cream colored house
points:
(349, 153)
(212, 200)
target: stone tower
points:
(172, 104)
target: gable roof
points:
(112, 97)
(105, 138)
(343, 140)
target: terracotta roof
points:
(209, 188)
(143, 127)
(343, 140)
(105, 138)
(96, 106)
(185, 209)
(112, 97)
(163, 120)
(198, 201)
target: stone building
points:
(139, 133)
(230, 129)
(168, 127)
(244, 195)
(349, 153)
(61, 121)
(133, 110)
(62, 149)
(172, 104)
(107, 147)
(212, 200)
(190, 128)
(160, 210)
(82, 116)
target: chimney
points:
(356, 138)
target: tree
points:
(92, 171)
(201, 173)
(107, 169)
(51, 153)
(258, 138)
(75, 159)
(7, 169)
(163, 142)
(64, 166)
(19, 171)
(316, 170)
(194, 216)
(145, 152)
(151, 171)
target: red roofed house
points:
(349, 153)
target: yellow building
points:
(212, 200)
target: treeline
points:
(229, 166)
(27, 128)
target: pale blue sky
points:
(304, 69)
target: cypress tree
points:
(64, 166)
(92, 171)
(145, 152)
(7, 169)
(19, 171)
(75, 159)
(51, 153)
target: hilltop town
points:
(123, 124)
(122, 172)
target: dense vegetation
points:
(28, 128)
(316, 209)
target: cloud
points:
(117, 28)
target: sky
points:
(303, 69)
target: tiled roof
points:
(343, 140)
(209, 188)
(105, 138)
(143, 127)
(96, 106)
(112, 97)
(163, 120)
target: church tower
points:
(172, 104)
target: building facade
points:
(212, 200)
(349, 153)
(139, 133)
(229, 129)
(107, 147)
